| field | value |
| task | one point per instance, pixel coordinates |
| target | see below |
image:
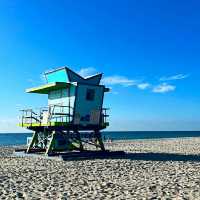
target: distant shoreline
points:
(10, 139)
(105, 132)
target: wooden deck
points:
(62, 125)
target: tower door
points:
(89, 100)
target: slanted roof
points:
(95, 79)
(45, 89)
(64, 74)
(57, 75)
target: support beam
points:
(33, 142)
(51, 143)
(79, 140)
(46, 140)
(98, 137)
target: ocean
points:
(8, 139)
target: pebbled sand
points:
(145, 178)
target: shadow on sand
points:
(92, 155)
(162, 157)
(143, 157)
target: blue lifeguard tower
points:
(75, 106)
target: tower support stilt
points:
(98, 137)
(33, 142)
(51, 143)
(79, 140)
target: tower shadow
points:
(164, 157)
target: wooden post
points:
(51, 143)
(99, 139)
(69, 112)
(33, 141)
(79, 139)
(23, 118)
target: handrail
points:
(56, 113)
(104, 115)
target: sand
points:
(139, 176)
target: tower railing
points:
(45, 115)
(104, 115)
(60, 113)
(53, 113)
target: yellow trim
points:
(39, 124)
(44, 89)
(51, 124)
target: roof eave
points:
(45, 89)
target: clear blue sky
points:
(148, 50)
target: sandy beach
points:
(154, 169)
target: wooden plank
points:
(34, 138)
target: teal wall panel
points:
(57, 76)
(83, 107)
(60, 97)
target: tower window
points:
(90, 94)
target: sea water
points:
(7, 139)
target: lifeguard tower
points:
(75, 105)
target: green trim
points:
(51, 124)
(48, 124)
(45, 89)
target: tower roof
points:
(64, 74)
(45, 89)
